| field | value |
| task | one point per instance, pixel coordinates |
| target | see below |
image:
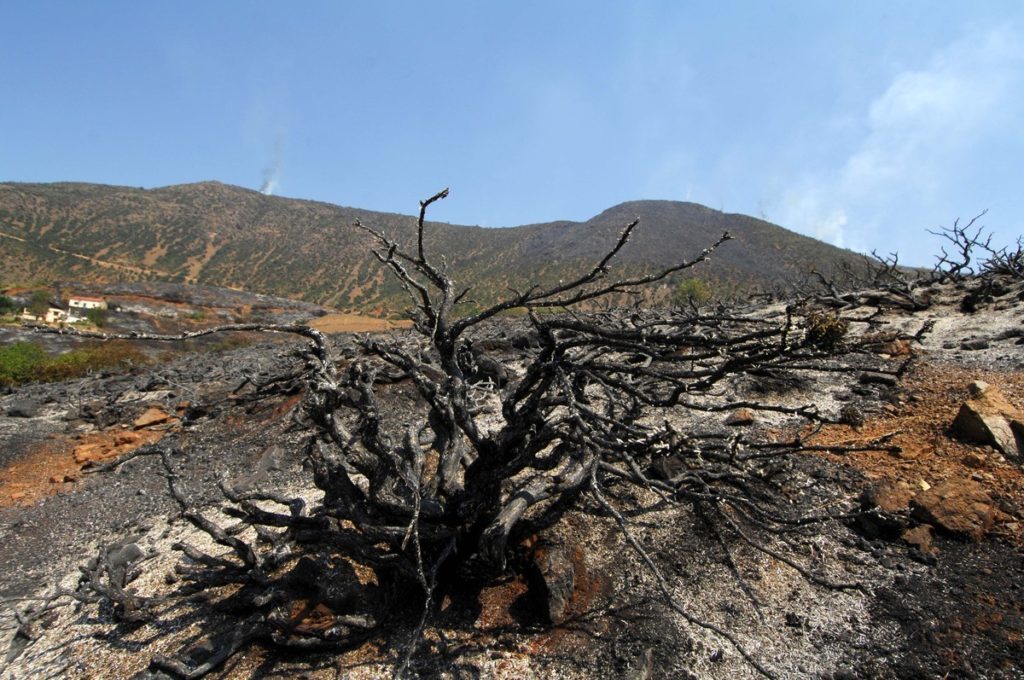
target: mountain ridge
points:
(214, 233)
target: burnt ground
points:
(953, 608)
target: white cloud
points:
(806, 209)
(916, 136)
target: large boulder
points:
(989, 418)
(959, 506)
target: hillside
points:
(222, 235)
(916, 574)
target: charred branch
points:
(587, 404)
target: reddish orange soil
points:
(933, 395)
(54, 465)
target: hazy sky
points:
(862, 123)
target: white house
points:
(53, 315)
(84, 302)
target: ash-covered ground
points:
(940, 577)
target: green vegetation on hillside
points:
(39, 303)
(692, 291)
(219, 235)
(97, 317)
(25, 362)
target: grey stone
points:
(975, 345)
(23, 408)
(554, 562)
(870, 378)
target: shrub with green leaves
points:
(691, 291)
(97, 317)
(25, 362)
(20, 362)
(39, 303)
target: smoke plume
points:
(272, 173)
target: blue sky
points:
(862, 124)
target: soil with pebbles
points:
(952, 612)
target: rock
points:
(741, 416)
(888, 496)
(852, 415)
(151, 418)
(271, 459)
(642, 667)
(988, 418)
(896, 348)
(88, 453)
(1009, 334)
(921, 538)
(105, 447)
(959, 506)
(554, 562)
(974, 460)
(974, 345)
(23, 408)
(870, 378)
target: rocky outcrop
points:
(103, 446)
(989, 418)
(959, 506)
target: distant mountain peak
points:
(310, 250)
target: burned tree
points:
(503, 442)
(967, 259)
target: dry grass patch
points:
(356, 323)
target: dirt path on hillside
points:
(88, 258)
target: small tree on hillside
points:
(692, 291)
(97, 317)
(39, 302)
